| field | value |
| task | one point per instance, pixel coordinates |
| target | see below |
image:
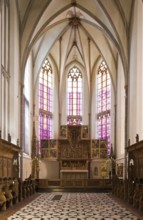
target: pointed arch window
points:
(103, 103)
(74, 93)
(45, 101)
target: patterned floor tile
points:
(73, 206)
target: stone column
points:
(115, 128)
(89, 114)
(21, 129)
(126, 141)
(0, 68)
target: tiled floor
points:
(73, 206)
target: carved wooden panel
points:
(119, 169)
(8, 154)
(54, 183)
(99, 183)
(73, 183)
(84, 132)
(1, 166)
(5, 167)
(9, 167)
(63, 132)
(135, 161)
(49, 149)
(76, 183)
(99, 149)
(76, 149)
(74, 165)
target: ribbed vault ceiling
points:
(80, 31)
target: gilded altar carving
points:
(74, 165)
(63, 132)
(35, 168)
(74, 147)
(99, 149)
(49, 149)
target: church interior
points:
(71, 109)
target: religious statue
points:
(137, 138)
(9, 138)
(35, 168)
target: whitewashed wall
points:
(120, 117)
(49, 169)
(15, 84)
(27, 165)
(28, 93)
(135, 122)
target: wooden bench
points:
(141, 199)
(2, 201)
(136, 196)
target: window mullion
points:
(103, 86)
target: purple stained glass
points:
(45, 101)
(104, 103)
(74, 90)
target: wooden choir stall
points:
(9, 171)
(12, 188)
(135, 174)
(131, 189)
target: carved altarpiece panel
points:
(49, 149)
(74, 153)
(74, 147)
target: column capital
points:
(126, 87)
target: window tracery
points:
(74, 93)
(103, 103)
(45, 101)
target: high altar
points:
(81, 160)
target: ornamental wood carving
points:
(74, 147)
(135, 160)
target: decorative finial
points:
(9, 138)
(17, 142)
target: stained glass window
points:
(103, 103)
(45, 100)
(74, 92)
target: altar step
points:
(93, 190)
(63, 185)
